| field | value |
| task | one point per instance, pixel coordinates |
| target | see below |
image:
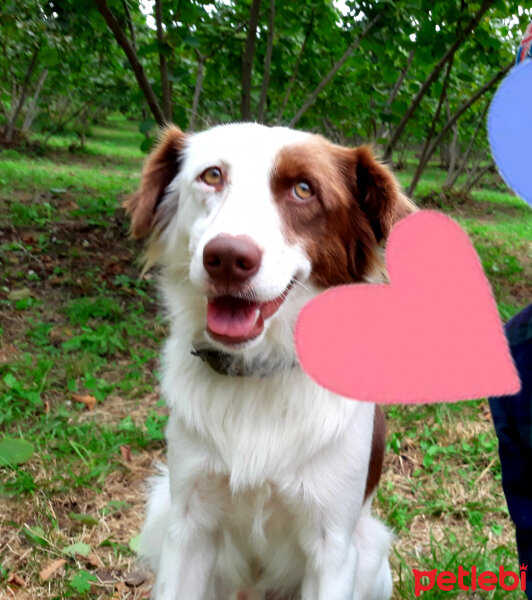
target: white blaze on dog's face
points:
(239, 255)
(256, 217)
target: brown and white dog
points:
(270, 478)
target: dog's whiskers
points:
(300, 283)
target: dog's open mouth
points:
(234, 320)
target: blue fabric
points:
(512, 417)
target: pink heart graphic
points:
(432, 335)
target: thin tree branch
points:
(335, 68)
(458, 113)
(465, 158)
(474, 21)
(453, 147)
(130, 24)
(63, 123)
(247, 61)
(424, 158)
(32, 111)
(223, 39)
(296, 68)
(132, 57)
(267, 64)
(395, 90)
(473, 180)
(197, 89)
(163, 68)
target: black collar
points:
(235, 366)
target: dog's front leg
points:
(189, 532)
(186, 562)
(331, 569)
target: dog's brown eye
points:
(302, 190)
(212, 176)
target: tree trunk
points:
(335, 68)
(84, 122)
(450, 122)
(296, 68)
(453, 152)
(247, 61)
(267, 64)
(4, 109)
(453, 147)
(434, 74)
(449, 183)
(33, 110)
(197, 90)
(424, 158)
(132, 57)
(474, 178)
(395, 90)
(64, 122)
(163, 67)
(17, 106)
(401, 163)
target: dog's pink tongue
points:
(231, 317)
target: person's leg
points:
(512, 417)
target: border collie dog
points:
(270, 478)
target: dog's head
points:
(249, 222)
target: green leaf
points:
(85, 519)
(146, 49)
(11, 381)
(164, 48)
(35, 535)
(24, 303)
(15, 451)
(178, 76)
(389, 75)
(155, 48)
(134, 543)
(77, 548)
(146, 126)
(147, 144)
(81, 581)
(399, 107)
(190, 40)
(49, 56)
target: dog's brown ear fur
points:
(161, 166)
(379, 194)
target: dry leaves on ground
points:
(51, 568)
(88, 401)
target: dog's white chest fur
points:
(238, 466)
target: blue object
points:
(510, 129)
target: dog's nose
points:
(231, 260)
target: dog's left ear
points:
(161, 166)
(378, 193)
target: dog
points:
(270, 478)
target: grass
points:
(79, 344)
(76, 322)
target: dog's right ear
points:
(161, 166)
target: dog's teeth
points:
(257, 315)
